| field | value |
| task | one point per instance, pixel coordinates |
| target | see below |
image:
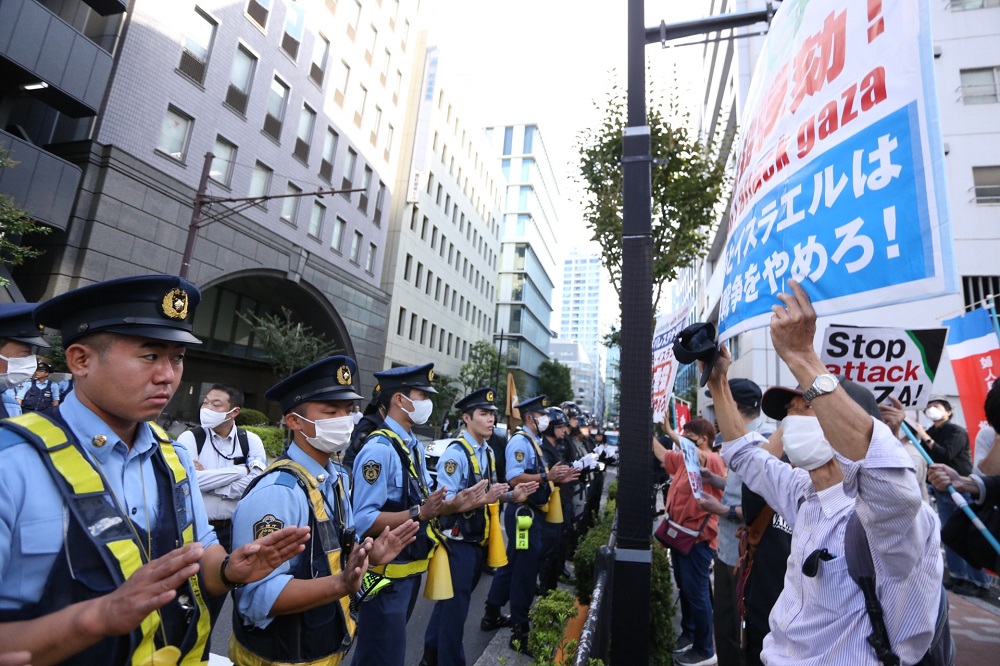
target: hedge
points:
(272, 437)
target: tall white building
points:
(527, 260)
(443, 245)
(967, 69)
(582, 371)
(581, 317)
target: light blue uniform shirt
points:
(289, 505)
(23, 389)
(521, 455)
(455, 453)
(384, 479)
(32, 513)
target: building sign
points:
(839, 179)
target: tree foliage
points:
(688, 186)
(288, 345)
(444, 399)
(481, 370)
(554, 381)
(15, 224)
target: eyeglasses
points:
(811, 565)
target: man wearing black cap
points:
(847, 464)
(18, 334)
(391, 486)
(96, 498)
(467, 463)
(516, 581)
(301, 612)
(39, 393)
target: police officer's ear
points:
(293, 422)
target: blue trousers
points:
(447, 624)
(381, 638)
(691, 572)
(957, 566)
(516, 581)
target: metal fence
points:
(595, 640)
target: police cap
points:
(329, 379)
(407, 377)
(17, 322)
(159, 307)
(479, 399)
(537, 404)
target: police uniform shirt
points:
(379, 476)
(521, 455)
(24, 387)
(453, 466)
(31, 506)
(275, 502)
(222, 482)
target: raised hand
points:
(357, 564)
(793, 324)
(891, 411)
(496, 491)
(255, 560)
(524, 490)
(471, 497)
(711, 505)
(389, 544)
(435, 502)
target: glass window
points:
(295, 23)
(986, 181)
(222, 163)
(374, 38)
(505, 167)
(508, 140)
(356, 246)
(316, 219)
(307, 122)
(348, 180)
(260, 182)
(277, 98)
(370, 262)
(240, 79)
(357, 14)
(366, 184)
(388, 137)
(199, 34)
(321, 51)
(290, 204)
(377, 125)
(362, 100)
(966, 5)
(174, 133)
(258, 12)
(526, 166)
(345, 76)
(338, 234)
(981, 86)
(529, 139)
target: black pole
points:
(630, 630)
(199, 199)
(496, 376)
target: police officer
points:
(372, 418)
(391, 486)
(467, 463)
(301, 612)
(39, 393)
(551, 561)
(516, 581)
(18, 334)
(96, 499)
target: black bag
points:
(965, 538)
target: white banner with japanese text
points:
(839, 179)
(664, 363)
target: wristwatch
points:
(733, 517)
(415, 512)
(545, 476)
(822, 385)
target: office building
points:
(582, 317)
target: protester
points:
(987, 455)
(985, 492)
(695, 646)
(892, 414)
(846, 463)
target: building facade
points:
(967, 72)
(292, 98)
(443, 246)
(528, 263)
(582, 316)
(582, 371)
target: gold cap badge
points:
(430, 375)
(344, 375)
(175, 304)
(489, 396)
(545, 402)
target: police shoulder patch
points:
(450, 466)
(371, 470)
(266, 525)
(519, 456)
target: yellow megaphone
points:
(438, 586)
(554, 514)
(496, 553)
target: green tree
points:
(688, 186)
(288, 345)
(15, 224)
(444, 399)
(554, 381)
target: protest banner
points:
(888, 361)
(839, 179)
(664, 363)
(974, 350)
(682, 414)
(692, 465)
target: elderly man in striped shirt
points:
(845, 462)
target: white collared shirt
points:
(222, 482)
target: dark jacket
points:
(951, 447)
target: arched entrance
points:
(231, 354)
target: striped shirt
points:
(821, 621)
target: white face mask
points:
(20, 369)
(804, 442)
(935, 413)
(421, 411)
(332, 435)
(543, 423)
(213, 419)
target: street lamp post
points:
(243, 203)
(631, 638)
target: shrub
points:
(661, 609)
(613, 490)
(585, 558)
(548, 624)
(251, 417)
(272, 437)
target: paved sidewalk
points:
(975, 628)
